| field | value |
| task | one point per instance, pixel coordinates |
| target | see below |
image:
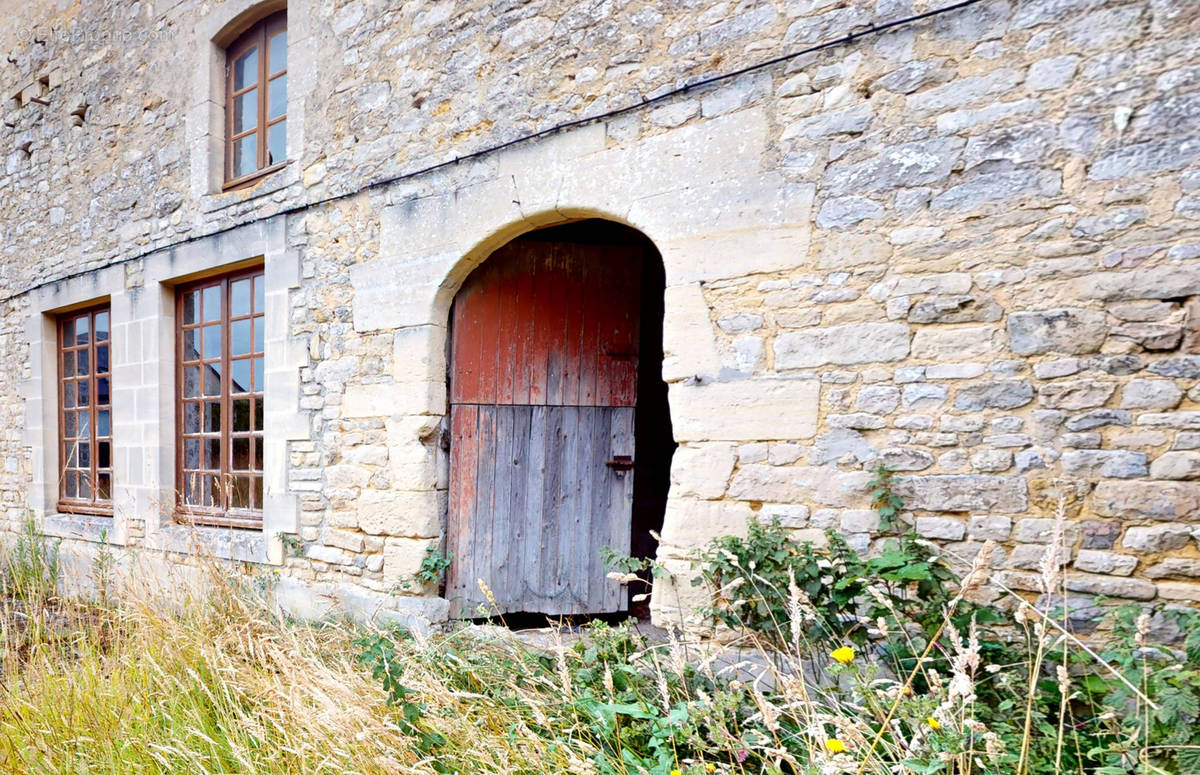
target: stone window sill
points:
(221, 543)
(78, 527)
(270, 184)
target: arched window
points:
(256, 101)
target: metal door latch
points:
(620, 463)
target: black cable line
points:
(871, 29)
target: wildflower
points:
(676, 772)
(934, 724)
(833, 745)
(710, 767)
(845, 654)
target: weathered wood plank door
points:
(543, 388)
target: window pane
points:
(104, 487)
(240, 338)
(240, 291)
(73, 455)
(212, 303)
(191, 489)
(102, 396)
(191, 381)
(191, 344)
(212, 379)
(102, 359)
(245, 69)
(212, 493)
(84, 420)
(68, 395)
(245, 155)
(245, 112)
(258, 453)
(104, 454)
(212, 454)
(103, 423)
(241, 493)
(258, 414)
(212, 342)
(85, 454)
(241, 415)
(191, 307)
(81, 329)
(259, 328)
(191, 418)
(240, 460)
(83, 393)
(241, 376)
(258, 293)
(212, 417)
(277, 48)
(258, 492)
(191, 454)
(81, 363)
(101, 326)
(68, 363)
(85, 488)
(69, 426)
(258, 374)
(277, 101)
(72, 485)
(277, 143)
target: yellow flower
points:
(934, 724)
(710, 767)
(833, 745)
(676, 772)
(845, 654)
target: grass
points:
(223, 684)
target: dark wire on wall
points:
(850, 37)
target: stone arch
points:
(651, 434)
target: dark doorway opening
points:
(653, 442)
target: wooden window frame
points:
(222, 514)
(257, 36)
(93, 505)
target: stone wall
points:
(968, 248)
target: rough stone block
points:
(1174, 567)
(1157, 538)
(942, 528)
(969, 492)
(878, 399)
(1164, 501)
(1075, 394)
(1152, 394)
(794, 484)
(1110, 586)
(1111, 563)
(1069, 330)
(956, 344)
(1092, 463)
(994, 395)
(842, 345)
(1176, 465)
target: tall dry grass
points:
(222, 683)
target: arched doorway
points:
(560, 434)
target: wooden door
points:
(543, 387)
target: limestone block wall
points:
(967, 248)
